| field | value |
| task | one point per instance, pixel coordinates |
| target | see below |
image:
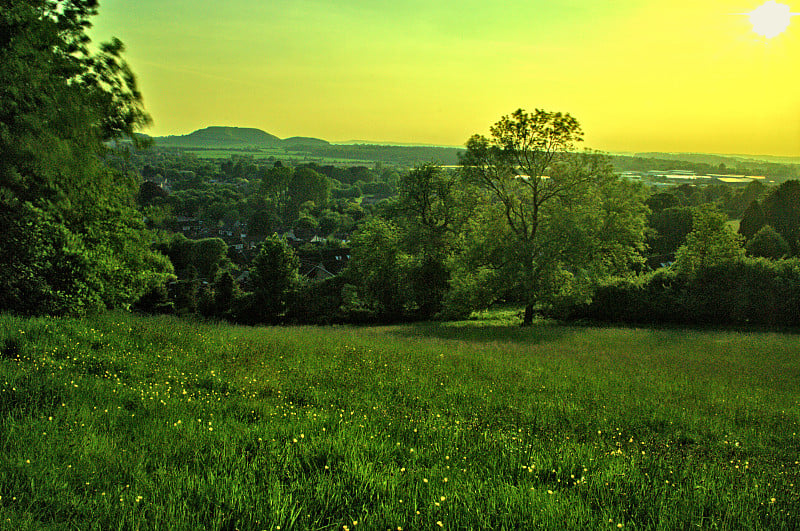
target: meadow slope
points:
(129, 422)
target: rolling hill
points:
(238, 139)
(222, 137)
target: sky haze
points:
(672, 75)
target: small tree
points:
(767, 243)
(273, 275)
(711, 242)
(753, 219)
(379, 267)
(305, 227)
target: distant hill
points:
(221, 137)
(303, 142)
(306, 148)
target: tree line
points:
(526, 218)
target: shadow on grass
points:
(549, 331)
(668, 326)
(486, 332)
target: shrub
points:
(47, 269)
(317, 302)
(738, 292)
(768, 243)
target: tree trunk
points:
(528, 319)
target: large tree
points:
(306, 185)
(561, 219)
(432, 207)
(60, 103)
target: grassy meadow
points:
(125, 422)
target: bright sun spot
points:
(771, 19)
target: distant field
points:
(227, 153)
(278, 153)
(156, 423)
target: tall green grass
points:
(123, 422)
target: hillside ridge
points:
(229, 136)
(222, 136)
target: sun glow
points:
(771, 19)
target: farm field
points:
(130, 422)
(263, 153)
(227, 153)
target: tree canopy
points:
(555, 220)
(60, 103)
(273, 275)
(768, 243)
(711, 242)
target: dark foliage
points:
(671, 226)
(782, 210)
(72, 241)
(45, 269)
(318, 302)
(753, 219)
(767, 243)
(273, 275)
(741, 292)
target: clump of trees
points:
(780, 211)
(716, 279)
(526, 219)
(260, 195)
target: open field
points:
(227, 153)
(293, 156)
(153, 423)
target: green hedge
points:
(748, 291)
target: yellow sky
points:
(677, 75)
